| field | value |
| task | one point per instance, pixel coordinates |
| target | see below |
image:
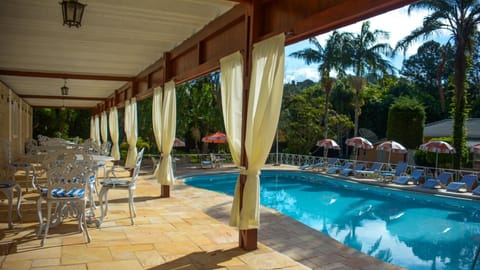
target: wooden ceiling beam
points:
(62, 97)
(38, 74)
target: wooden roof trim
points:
(65, 75)
(61, 97)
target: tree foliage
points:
(63, 123)
(302, 119)
(406, 121)
(199, 111)
(430, 70)
(460, 18)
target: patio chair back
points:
(470, 180)
(375, 167)
(400, 169)
(417, 174)
(445, 178)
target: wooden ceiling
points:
(125, 48)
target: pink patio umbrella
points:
(359, 143)
(392, 147)
(475, 148)
(217, 137)
(327, 144)
(437, 147)
(178, 143)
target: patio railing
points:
(299, 160)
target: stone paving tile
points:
(189, 230)
(82, 254)
(128, 252)
(117, 265)
(46, 262)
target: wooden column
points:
(165, 189)
(247, 238)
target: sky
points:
(397, 23)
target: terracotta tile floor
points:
(189, 230)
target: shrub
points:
(406, 121)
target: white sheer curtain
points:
(264, 104)
(97, 130)
(131, 131)
(92, 128)
(231, 68)
(104, 127)
(113, 128)
(157, 122)
(231, 72)
(164, 115)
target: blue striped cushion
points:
(73, 193)
(58, 192)
(20, 164)
(7, 184)
(91, 178)
(76, 193)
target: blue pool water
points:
(407, 229)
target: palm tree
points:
(460, 18)
(329, 58)
(366, 55)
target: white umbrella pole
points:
(436, 164)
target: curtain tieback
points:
(244, 171)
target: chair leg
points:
(47, 226)
(132, 198)
(131, 207)
(103, 201)
(9, 194)
(91, 197)
(19, 200)
(83, 220)
(40, 216)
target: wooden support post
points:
(165, 192)
(247, 238)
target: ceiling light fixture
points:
(64, 89)
(72, 12)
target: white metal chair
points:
(67, 181)
(112, 182)
(8, 186)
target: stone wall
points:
(15, 125)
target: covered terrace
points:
(123, 51)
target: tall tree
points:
(199, 110)
(460, 18)
(366, 56)
(329, 58)
(429, 69)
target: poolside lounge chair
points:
(337, 169)
(310, 166)
(476, 191)
(208, 163)
(467, 183)
(349, 171)
(441, 181)
(399, 171)
(414, 178)
(325, 165)
(369, 172)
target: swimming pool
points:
(411, 230)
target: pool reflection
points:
(406, 229)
